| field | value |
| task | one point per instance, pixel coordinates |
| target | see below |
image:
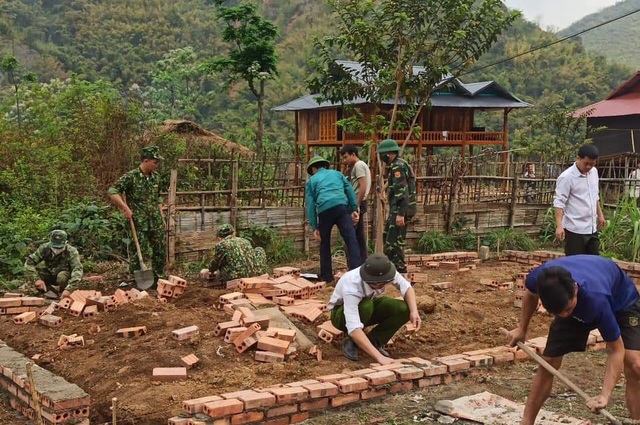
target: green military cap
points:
(388, 145)
(151, 152)
(58, 238)
(225, 230)
(317, 161)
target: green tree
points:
(406, 49)
(252, 56)
(10, 66)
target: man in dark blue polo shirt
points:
(584, 292)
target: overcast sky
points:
(557, 13)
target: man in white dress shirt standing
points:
(578, 213)
(357, 302)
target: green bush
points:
(432, 242)
(279, 249)
(620, 238)
(509, 239)
(97, 233)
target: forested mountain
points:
(617, 41)
(133, 44)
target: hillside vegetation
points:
(617, 41)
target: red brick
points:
(222, 327)
(257, 400)
(435, 370)
(285, 334)
(455, 365)
(223, 407)
(189, 361)
(342, 400)
(24, 318)
(451, 377)
(504, 357)
(390, 366)
(321, 403)
(247, 418)
(231, 334)
(381, 377)
(401, 386)
(332, 378)
(169, 373)
(480, 360)
(237, 394)
(246, 334)
(322, 389)
(302, 383)
(32, 301)
(360, 372)
(282, 410)
(178, 281)
(430, 381)
(185, 333)
(50, 320)
(278, 421)
(246, 344)
(273, 345)
(90, 311)
(10, 302)
(131, 332)
(290, 394)
(351, 385)
(176, 420)
(408, 373)
(373, 393)
(299, 417)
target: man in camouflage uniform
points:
(402, 202)
(234, 257)
(137, 194)
(56, 264)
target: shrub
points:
(509, 239)
(279, 249)
(432, 242)
(620, 238)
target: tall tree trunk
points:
(260, 132)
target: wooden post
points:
(305, 233)
(514, 197)
(233, 214)
(114, 418)
(171, 219)
(34, 394)
(453, 203)
(505, 147)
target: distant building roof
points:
(449, 93)
(624, 100)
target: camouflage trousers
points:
(152, 246)
(51, 278)
(395, 241)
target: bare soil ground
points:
(466, 317)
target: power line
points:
(544, 46)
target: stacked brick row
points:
(462, 261)
(60, 401)
(537, 258)
(297, 401)
(17, 304)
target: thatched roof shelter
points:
(194, 133)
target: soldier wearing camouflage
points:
(235, 258)
(56, 263)
(402, 202)
(142, 202)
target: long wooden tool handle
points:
(552, 370)
(135, 240)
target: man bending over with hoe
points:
(584, 292)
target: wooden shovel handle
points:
(135, 240)
(552, 370)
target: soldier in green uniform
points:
(56, 264)
(137, 194)
(234, 257)
(402, 202)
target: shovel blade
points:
(144, 279)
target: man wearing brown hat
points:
(358, 302)
(56, 264)
(137, 194)
(234, 257)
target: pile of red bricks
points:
(297, 401)
(172, 287)
(60, 401)
(456, 261)
(247, 330)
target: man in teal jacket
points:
(331, 201)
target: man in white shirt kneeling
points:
(357, 302)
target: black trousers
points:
(361, 235)
(576, 243)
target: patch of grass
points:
(509, 239)
(432, 242)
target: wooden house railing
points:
(426, 137)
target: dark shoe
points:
(350, 349)
(380, 348)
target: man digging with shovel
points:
(142, 207)
(584, 292)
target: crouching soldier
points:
(357, 302)
(56, 265)
(234, 257)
